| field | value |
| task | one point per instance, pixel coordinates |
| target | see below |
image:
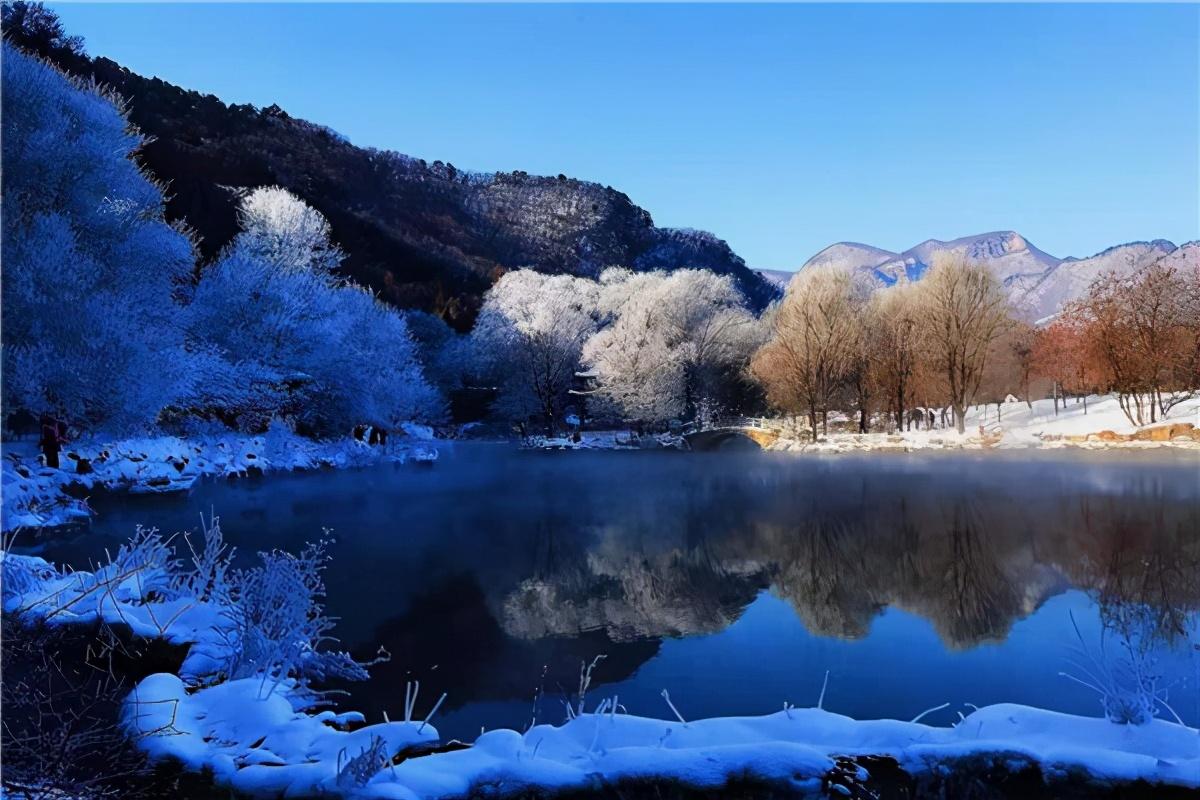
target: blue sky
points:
(780, 128)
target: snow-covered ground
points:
(262, 747)
(795, 747)
(37, 496)
(1016, 425)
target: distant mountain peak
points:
(1038, 283)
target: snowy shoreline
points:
(36, 496)
(1096, 423)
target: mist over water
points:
(734, 579)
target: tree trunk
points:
(960, 419)
(812, 422)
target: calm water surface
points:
(732, 579)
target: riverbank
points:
(1094, 423)
(36, 496)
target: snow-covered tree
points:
(372, 373)
(446, 354)
(670, 340)
(529, 336)
(285, 337)
(90, 266)
(281, 229)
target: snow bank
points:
(36, 496)
(796, 747)
(255, 742)
(132, 591)
(254, 733)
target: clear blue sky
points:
(780, 128)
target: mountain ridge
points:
(1039, 284)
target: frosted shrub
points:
(210, 578)
(280, 615)
(145, 567)
(22, 576)
(1125, 677)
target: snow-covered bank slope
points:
(35, 496)
(1038, 284)
(796, 748)
(1015, 426)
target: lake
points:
(733, 579)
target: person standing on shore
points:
(54, 435)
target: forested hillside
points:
(422, 235)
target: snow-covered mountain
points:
(1073, 276)
(1038, 283)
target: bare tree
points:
(811, 346)
(893, 336)
(963, 310)
(1142, 336)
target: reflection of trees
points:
(971, 562)
(819, 572)
(449, 640)
(677, 593)
(1146, 572)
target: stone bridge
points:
(718, 437)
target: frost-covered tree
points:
(372, 373)
(670, 341)
(446, 354)
(284, 231)
(529, 337)
(284, 337)
(91, 323)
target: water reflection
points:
(970, 563)
(500, 571)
